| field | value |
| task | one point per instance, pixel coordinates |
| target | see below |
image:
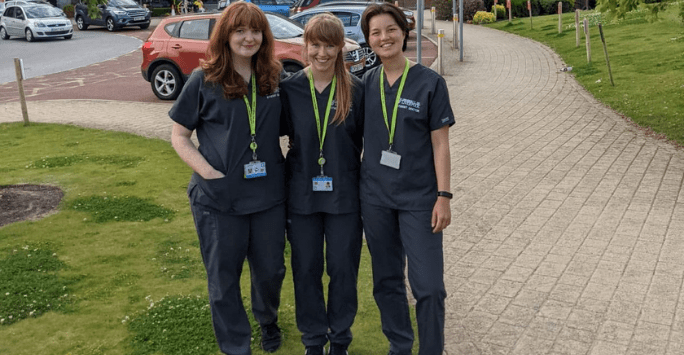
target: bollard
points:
(587, 39)
(19, 71)
(440, 53)
(508, 6)
(455, 21)
(577, 29)
(495, 16)
(560, 17)
(432, 11)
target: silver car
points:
(34, 21)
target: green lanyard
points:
(396, 101)
(251, 114)
(321, 132)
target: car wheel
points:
(110, 24)
(3, 33)
(166, 82)
(29, 36)
(80, 23)
(372, 59)
(68, 37)
(144, 27)
(292, 67)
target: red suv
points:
(177, 44)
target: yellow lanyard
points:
(251, 115)
(321, 132)
(396, 101)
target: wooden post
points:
(396, 3)
(508, 6)
(495, 16)
(560, 17)
(605, 51)
(19, 71)
(577, 29)
(529, 8)
(587, 39)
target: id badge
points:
(322, 183)
(255, 169)
(391, 159)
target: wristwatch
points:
(446, 194)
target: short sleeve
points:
(185, 110)
(439, 107)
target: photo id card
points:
(255, 169)
(322, 183)
(390, 159)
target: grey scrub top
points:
(222, 127)
(424, 107)
(342, 148)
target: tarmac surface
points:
(568, 220)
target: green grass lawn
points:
(647, 61)
(117, 269)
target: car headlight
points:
(40, 24)
(119, 12)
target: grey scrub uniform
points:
(330, 216)
(396, 205)
(236, 218)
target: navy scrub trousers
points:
(396, 205)
(236, 218)
(323, 227)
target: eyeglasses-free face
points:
(245, 42)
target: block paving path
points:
(568, 221)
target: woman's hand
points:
(441, 214)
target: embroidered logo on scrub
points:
(409, 104)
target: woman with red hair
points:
(237, 189)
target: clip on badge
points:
(391, 159)
(322, 183)
(255, 169)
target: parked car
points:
(114, 15)
(178, 43)
(281, 7)
(410, 17)
(34, 21)
(351, 19)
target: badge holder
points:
(255, 168)
(390, 159)
(322, 182)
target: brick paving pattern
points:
(568, 221)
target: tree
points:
(619, 8)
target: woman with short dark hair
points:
(405, 183)
(237, 190)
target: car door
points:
(8, 18)
(17, 21)
(189, 43)
(100, 19)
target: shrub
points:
(68, 10)
(443, 9)
(483, 17)
(161, 11)
(470, 7)
(500, 11)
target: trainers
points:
(270, 337)
(337, 349)
(314, 350)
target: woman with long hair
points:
(405, 183)
(323, 108)
(237, 190)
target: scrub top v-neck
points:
(423, 107)
(342, 148)
(223, 132)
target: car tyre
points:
(68, 37)
(29, 36)
(3, 33)
(372, 59)
(111, 26)
(144, 27)
(166, 82)
(80, 24)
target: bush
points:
(540, 7)
(470, 7)
(68, 10)
(160, 11)
(500, 11)
(483, 17)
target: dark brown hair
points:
(218, 67)
(327, 28)
(385, 8)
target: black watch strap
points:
(446, 194)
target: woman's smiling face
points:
(245, 42)
(322, 55)
(386, 37)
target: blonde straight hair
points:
(327, 28)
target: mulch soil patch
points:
(27, 202)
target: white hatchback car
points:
(34, 21)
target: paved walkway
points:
(568, 222)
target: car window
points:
(17, 12)
(304, 18)
(170, 27)
(283, 28)
(9, 12)
(264, 2)
(195, 29)
(43, 12)
(348, 19)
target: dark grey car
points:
(116, 14)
